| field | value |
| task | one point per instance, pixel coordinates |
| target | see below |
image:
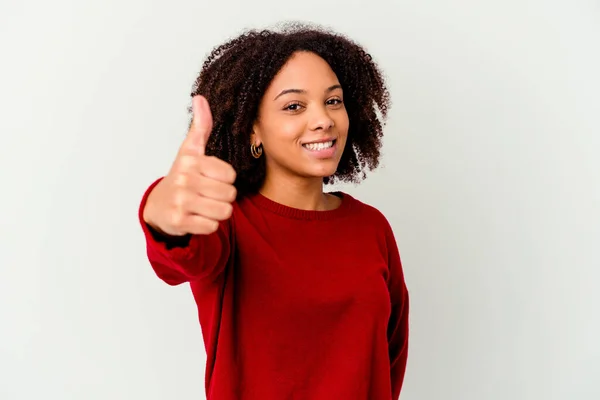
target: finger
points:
(199, 225)
(201, 126)
(210, 208)
(199, 184)
(214, 189)
(212, 167)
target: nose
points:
(321, 120)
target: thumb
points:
(201, 126)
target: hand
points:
(198, 190)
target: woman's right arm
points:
(180, 259)
(185, 215)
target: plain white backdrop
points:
(490, 178)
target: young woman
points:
(300, 292)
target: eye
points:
(334, 102)
(293, 107)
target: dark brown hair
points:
(236, 74)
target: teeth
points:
(318, 146)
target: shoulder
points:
(368, 213)
(373, 223)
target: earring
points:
(256, 150)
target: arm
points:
(176, 260)
(398, 326)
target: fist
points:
(198, 191)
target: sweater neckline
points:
(296, 213)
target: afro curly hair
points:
(236, 74)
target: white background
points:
(491, 180)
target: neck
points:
(297, 192)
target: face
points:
(302, 121)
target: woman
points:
(300, 292)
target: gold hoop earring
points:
(256, 150)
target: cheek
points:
(343, 124)
(284, 131)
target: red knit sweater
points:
(295, 304)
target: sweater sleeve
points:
(398, 326)
(185, 259)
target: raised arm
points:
(185, 215)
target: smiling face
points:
(302, 121)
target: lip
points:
(322, 140)
(325, 153)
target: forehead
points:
(304, 70)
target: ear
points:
(255, 136)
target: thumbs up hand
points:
(198, 190)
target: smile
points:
(319, 146)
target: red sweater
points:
(295, 304)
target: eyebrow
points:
(302, 91)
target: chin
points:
(323, 172)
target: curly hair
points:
(236, 74)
